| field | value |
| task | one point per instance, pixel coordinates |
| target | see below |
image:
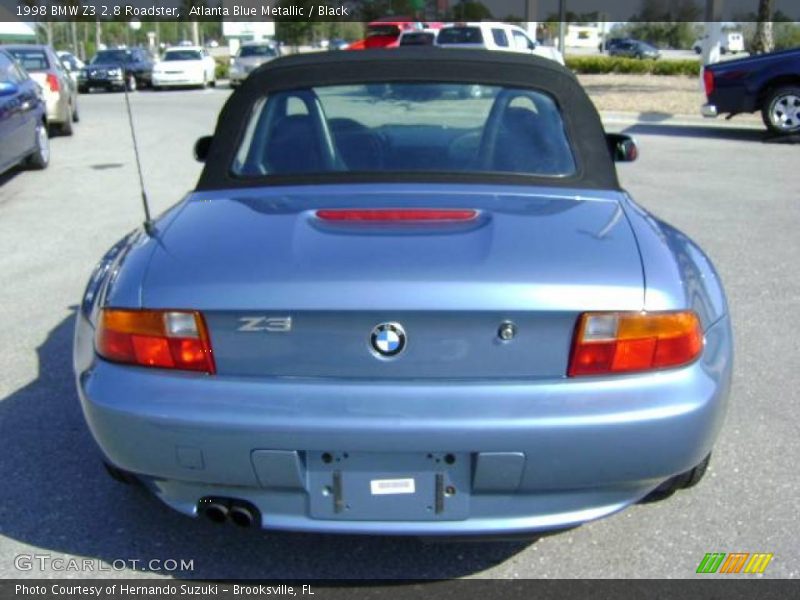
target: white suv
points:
(494, 36)
(731, 41)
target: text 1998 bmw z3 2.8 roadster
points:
(407, 296)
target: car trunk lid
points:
(286, 293)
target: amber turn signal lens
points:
(624, 342)
(155, 338)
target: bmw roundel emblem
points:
(388, 339)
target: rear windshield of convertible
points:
(183, 55)
(32, 59)
(405, 127)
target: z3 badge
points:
(269, 324)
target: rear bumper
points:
(588, 448)
(106, 84)
(57, 107)
(709, 111)
(176, 80)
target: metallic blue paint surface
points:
(22, 109)
(535, 256)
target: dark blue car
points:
(766, 83)
(23, 121)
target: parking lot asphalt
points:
(737, 196)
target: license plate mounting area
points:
(381, 486)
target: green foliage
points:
(573, 17)
(664, 34)
(329, 30)
(120, 32)
(370, 10)
(690, 68)
(293, 33)
(614, 64)
(673, 11)
(290, 31)
(786, 35)
(296, 33)
(471, 11)
(222, 63)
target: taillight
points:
(623, 342)
(396, 214)
(167, 339)
(708, 81)
(52, 82)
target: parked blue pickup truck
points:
(769, 83)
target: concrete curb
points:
(632, 118)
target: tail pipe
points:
(214, 509)
(242, 515)
(219, 510)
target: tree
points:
(764, 41)
(573, 17)
(346, 30)
(471, 11)
(785, 32)
(194, 30)
(294, 32)
(663, 23)
(670, 34)
(371, 10)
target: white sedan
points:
(184, 66)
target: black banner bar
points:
(730, 588)
(368, 10)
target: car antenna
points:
(149, 227)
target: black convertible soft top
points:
(595, 168)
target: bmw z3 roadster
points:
(407, 296)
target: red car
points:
(386, 33)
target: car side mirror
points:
(201, 148)
(622, 147)
(8, 88)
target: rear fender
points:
(677, 273)
(773, 84)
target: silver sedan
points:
(60, 91)
(250, 56)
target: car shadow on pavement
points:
(58, 499)
(709, 132)
(9, 175)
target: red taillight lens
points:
(52, 82)
(397, 214)
(708, 81)
(167, 339)
(607, 343)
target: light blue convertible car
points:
(408, 296)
